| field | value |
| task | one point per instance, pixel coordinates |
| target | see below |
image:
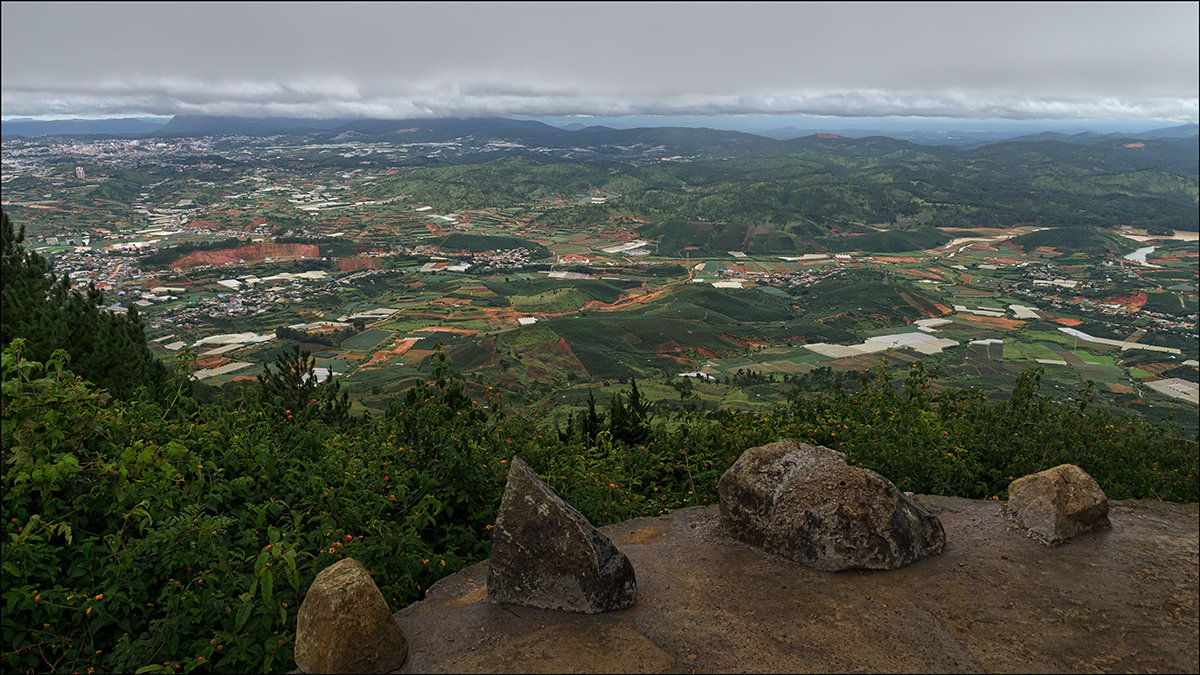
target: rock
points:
(1054, 505)
(991, 602)
(805, 503)
(546, 554)
(344, 625)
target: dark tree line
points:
(627, 421)
(106, 347)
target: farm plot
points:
(550, 302)
(368, 339)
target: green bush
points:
(153, 537)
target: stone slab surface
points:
(1117, 600)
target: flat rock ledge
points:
(1122, 599)
(546, 554)
(806, 503)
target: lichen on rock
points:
(546, 554)
(806, 503)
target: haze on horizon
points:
(967, 61)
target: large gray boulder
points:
(1054, 505)
(546, 554)
(805, 503)
(344, 625)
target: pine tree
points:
(629, 416)
(294, 388)
(106, 348)
(592, 423)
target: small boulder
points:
(546, 554)
(1054, 505)
(344, 625)
(805, 503)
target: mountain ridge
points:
(450, 127)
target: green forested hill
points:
(820, 185)
(1088, 240)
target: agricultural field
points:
(718, 283)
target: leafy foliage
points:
(142, 536)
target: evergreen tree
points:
(106, 348)
(592, 423)
(629, 416)
(294, 388)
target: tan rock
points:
(1054, 505)
(344, 625)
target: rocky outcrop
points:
(546, 554)
(805, 503)
(344, 625)
(991, 602)
(1054, 505)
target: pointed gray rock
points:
(546, 554)
(1054, 505)
(805, 503)
(344, 625)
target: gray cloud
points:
(1015, 61)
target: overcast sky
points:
(397, 60)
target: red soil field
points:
(249, 252)
(992, 321)
(358, 263)
(919, 273)
(1134, 301)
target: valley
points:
(726, 277)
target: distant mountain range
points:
(531, 132)
(123, 126)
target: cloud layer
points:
(343, 99)
(1010, 61)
